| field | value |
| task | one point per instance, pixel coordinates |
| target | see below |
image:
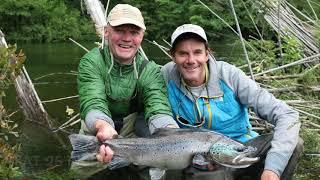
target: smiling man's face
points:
(124, 41)
(191, 57)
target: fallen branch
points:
(241, 39)
(281, 90)
(300, 102)
(301, 61)
(51, 74)
(310, 106)
(306, 113)
(78, 44)
(59, 99)
(291, 76)
(69, 123)
(311, 123)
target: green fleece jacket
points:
(108, 87)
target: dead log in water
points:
(27, 97)
(29, 103)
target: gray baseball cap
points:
(188, 28)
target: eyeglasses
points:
(185, 122)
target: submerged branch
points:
(51, 74)
(59, 99)
(79, 44)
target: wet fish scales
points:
(174, 149)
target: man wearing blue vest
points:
(210, 94)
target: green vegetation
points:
(56, 20)
(10, 65)
(308, 167)
(43, 21)
(317, 32)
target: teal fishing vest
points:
(223, 114)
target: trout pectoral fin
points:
(118, 162)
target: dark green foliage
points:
(263, 54)
(42, 21)
(310, 78)
(317, 32)
(291, 52)
(8, 161)
(10, 65)
(56, 20)
(308, 167)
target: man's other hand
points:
(269, 175)
(104, 131)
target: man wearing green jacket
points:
(117, 85)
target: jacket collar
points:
(214, 78)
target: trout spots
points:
(221, 148)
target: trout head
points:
(232, 155)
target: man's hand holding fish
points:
(104, 131)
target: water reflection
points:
(41, 149)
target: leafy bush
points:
(10, 65)
(43, 21)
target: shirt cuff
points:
(93, 116)
(276, 163)
(161, 121)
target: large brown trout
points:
(166, 149)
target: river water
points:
(52, 68)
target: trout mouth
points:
(242, 159)
(233, 156)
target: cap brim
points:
(193, 32)
(126, 21)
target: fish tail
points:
(84, 147)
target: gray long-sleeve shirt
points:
(264, 104)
